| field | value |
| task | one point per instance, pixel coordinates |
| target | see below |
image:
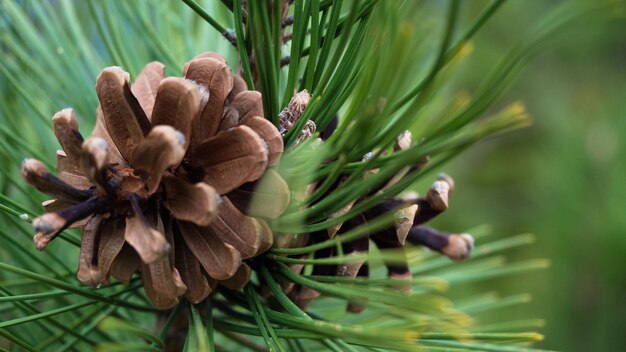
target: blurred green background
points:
(562, 179)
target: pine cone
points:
(411, 213)
(168, 181)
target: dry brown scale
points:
(164, 183)
(291, 114)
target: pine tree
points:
(248, 181)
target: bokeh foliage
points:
(562, 179)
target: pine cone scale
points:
(119, 118)
(237, 230)
(232, 158)
(177, 103)
(147, 84)
(197, 203)
(215, 76)
(218, 259)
